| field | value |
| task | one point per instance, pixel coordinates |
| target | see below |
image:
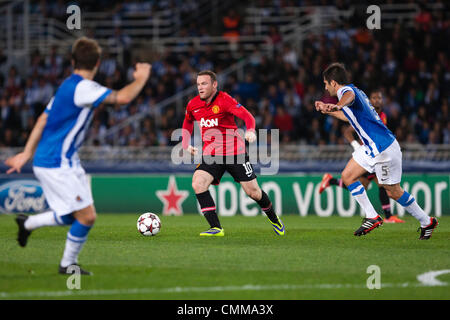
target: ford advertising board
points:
(21, 196)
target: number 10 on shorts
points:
(248, 168)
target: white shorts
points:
(387, 165)
(66, 189)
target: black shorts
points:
(238, 167)
(369, 176)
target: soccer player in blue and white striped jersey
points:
(380, 152)
(54, 141)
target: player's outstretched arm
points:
(347, 99)
(130, 91)
(188, 127)
(18, 161)
(338, 114)
(250, 123)
(324, 108)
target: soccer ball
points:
(148, 224)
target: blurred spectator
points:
(283, 122)
(121, 42)
(423, 18)
(248, 89)
(108, 64)
(231, 25)
(274, 36)
(409, 64)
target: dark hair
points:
(208, 73)
(85, 53)
(375, 90)
(336, 71)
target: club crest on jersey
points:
(208, 123)
(215, 109)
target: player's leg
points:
(252, 189)
(82, 204)
(386, 205)
(46, 219)
(351, 175)
(201, 181)
(364, 180)
(427, 223)
(243, 173)
(389, 175)
(27, 223)
(53, 186)
(329, 180)
(77, 237)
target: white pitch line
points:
(248, 287)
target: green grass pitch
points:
(319, 258)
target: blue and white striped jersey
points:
(366, 122)
(69, 113)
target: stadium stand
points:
(272, 64)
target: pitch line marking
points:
(248, 287)
(429, 278)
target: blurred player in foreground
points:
(223, 150)
(380, 152)
(54, 141)
(376, 100)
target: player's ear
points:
(215, 84)
(333, 83)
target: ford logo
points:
(22, 196)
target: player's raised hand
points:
(250, 136)
(330, 107)
(142, 71)
(319, 105)
(16, 162)
(192, 150)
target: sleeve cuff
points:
(101, 98)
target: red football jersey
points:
(217, 124)
(383, 117)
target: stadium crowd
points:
(410, 65)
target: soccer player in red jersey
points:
(223, 150)
(376, 100)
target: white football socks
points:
(410, 205)
(45, 219)
(76, 237)
(359, 193)
(71, 252)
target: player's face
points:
(330, 87)
(376, 100)
(205, 86)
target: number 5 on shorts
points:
(384, 172)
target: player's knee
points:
(90, 218)
(87, 216)
(346, 178)
(254, 193)
(199, 185)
